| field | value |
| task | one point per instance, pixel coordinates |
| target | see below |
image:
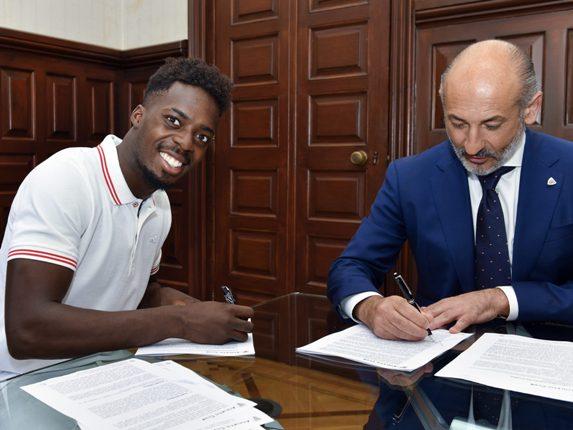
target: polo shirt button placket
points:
(134, 247)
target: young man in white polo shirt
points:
(86, 228)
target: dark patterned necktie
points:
(492, 267)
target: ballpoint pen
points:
(228, 294)
(407, 293)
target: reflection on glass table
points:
(304, 392)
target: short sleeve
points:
(156, 263)
(49, 214)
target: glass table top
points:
(304, 392)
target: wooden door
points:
(342, 108)
(252, 149)
(311, 88)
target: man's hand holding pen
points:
(393, 318)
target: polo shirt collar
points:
(114, 181)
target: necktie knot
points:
(489, 182)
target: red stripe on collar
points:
(107, 176)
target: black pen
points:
(228, 294)
(407, 293)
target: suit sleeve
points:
(544, 301)
(374, 248)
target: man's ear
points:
(533, 109)
(137, 116)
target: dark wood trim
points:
(60, 48)
(54, 47)
(402, 61)
(197, 181)
(401, 74)
(151, 55)
(432, 11)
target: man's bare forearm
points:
(61, 331)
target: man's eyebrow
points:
(457, 118)
(182, 114)
(205, 128)
(494, 118)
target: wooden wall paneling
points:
(19, 126)
(100, 92)
(342, 107)
(251, 152)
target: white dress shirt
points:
(508, 191)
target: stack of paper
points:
(174, 346)
(134, 394)
(359, 344)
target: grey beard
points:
(501, 157)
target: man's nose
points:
(474, 142)
(185, 142)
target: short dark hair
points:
(191, 71)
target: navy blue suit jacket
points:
(425, 200)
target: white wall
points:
(151, 22)
(118, 24)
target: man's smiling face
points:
(175, 129)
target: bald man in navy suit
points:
(488, 213)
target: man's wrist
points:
(500, 303)
(363, 309)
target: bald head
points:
(491, 67)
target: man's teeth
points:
(170, 160)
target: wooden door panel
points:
(321, 251)
(254, 192)
(325, 189)
(61, 107)
(100, 109)
(254, 123)
(255, 60)
(253, 10)
(339, 50)
(545, 37)
(338, 119)
(17, 110)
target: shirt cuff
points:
(348, 304)
(512, 299)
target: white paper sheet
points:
(359, 344)
(134, 394)
(517, 363)
(175, 346)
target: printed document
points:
(134, 394)
(517, 363)
(359, 344)
(174, 346)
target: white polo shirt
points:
(76, 210)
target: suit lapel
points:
(451, 194)
(536, 204)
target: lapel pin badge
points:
(551, 182)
